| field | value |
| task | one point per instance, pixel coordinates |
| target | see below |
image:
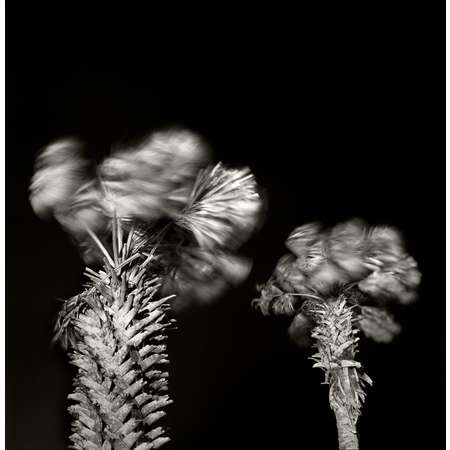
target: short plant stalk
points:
(335, 282)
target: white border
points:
(2, 226)
(2, 223)
(447, 189)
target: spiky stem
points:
(118, 344)
(336, 343)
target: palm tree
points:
(334, 283)
(151, 227)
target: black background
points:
(338, 113)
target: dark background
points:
(338, 113)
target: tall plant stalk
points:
(117, 330)
(151, 228)
(336, 341)
(335, 283)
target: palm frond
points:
(377, 324)
(303, 238)
(61, 187)
(201, 275)
(396, 282)
(64, 330)
(290, 275)
(154, 179)
(267, 302)
(367, 266)
(347, 243)
(60, 170)
(351, 252)
(385, 245)
(223, 209)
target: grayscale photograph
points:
(225, 226)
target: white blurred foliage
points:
(61, 188)
(224, 207)
(385, 246)
(397, 281)
(210, 211)
(347, 242)
(303, 238)
(378, 324)
(60, 171)
(202, 276)
(368, 266)
(154, 179)
(375, 258)
(83, 209)
(299, 330)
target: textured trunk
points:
(118, 345)
(336, 343)
(347, 435)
